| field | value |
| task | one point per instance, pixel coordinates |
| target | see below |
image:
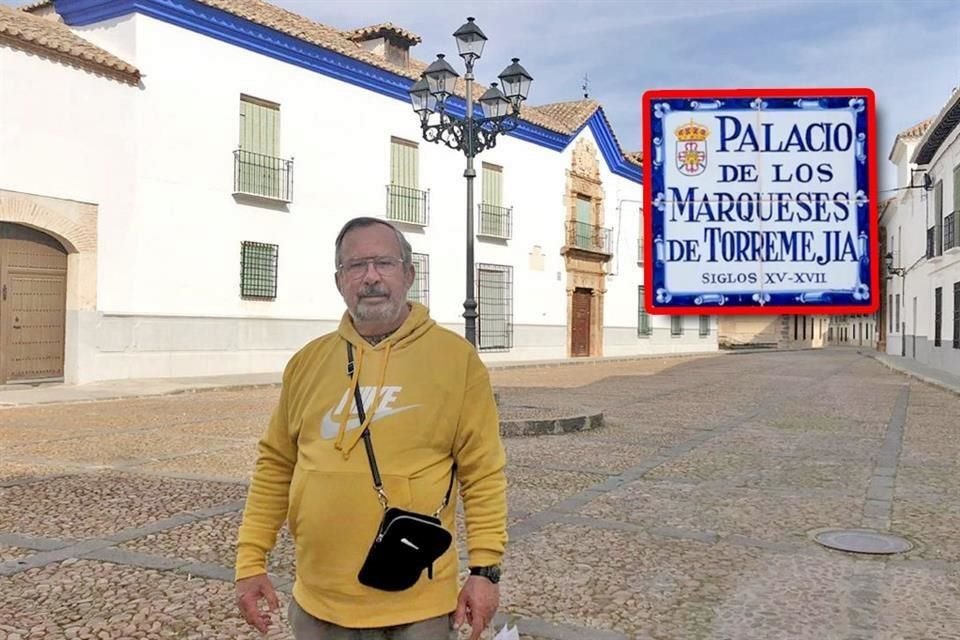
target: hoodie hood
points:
(418, 322)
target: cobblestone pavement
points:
(689, 516)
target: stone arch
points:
(74, 235)
(74, 225)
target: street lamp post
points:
(470, 134)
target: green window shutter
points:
(404, 164)
(956, 188)
(492, 185)
(259, 127)
(584, 213)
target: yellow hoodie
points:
(429, 404)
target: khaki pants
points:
(306, 627)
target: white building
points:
(173, 174)
(921, 230)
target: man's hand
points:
(477, 603)
(249, 593)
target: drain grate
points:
(863, 541)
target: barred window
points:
(495, 307)
(420, 289)
(704, 326)
(258, 270)
(643, 318)
(676, 325)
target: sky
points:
(907, 51)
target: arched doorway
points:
(33, 291)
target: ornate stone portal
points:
(585, 256)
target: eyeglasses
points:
(385, 266)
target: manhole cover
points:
(863, 541)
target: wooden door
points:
(580, 331)
(33, 287)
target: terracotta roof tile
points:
(636, 157)
(23, 30)
(570, 114)
(562, 117)
(917, 130)
(39, 4)
(379, 30)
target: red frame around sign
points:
(869, 96)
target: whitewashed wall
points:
(158, 161)
(914, 213)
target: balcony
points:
(588, 237)
(409, 205)
(255, 174)
(494, 221)
(951, 231)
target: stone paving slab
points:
(234, 462)
(114, 449)
(574, 451)
(746, 512)
(212, 541)
(86, 598)
(904, 609)
(620, 581)
(98, 504)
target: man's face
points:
(371, 277)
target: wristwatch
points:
(491, 573)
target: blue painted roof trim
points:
(226, 27)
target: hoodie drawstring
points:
(347, 447)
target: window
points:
(704, 326)
(896, 306)
(494, 306)
(676, 325)
(405, 201)
(258, 168)
(494, 217)
(258, 270)
(956, 315)
(937, 315)
(938, 217)
(643, 318)
(420, 289)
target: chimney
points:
(387, 41)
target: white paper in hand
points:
(508, 634)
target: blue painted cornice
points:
(241, 32)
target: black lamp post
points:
(470, 134)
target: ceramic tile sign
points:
(760, 201)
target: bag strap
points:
(368, 444)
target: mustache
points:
(373, 291)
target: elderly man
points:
(430, 414)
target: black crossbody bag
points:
(407, 542)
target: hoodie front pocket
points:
(334, 517)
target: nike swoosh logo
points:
(329, 426)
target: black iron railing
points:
(951, 230)
(406, 204)
(265, 176)
(588, 237)
(495, 221)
